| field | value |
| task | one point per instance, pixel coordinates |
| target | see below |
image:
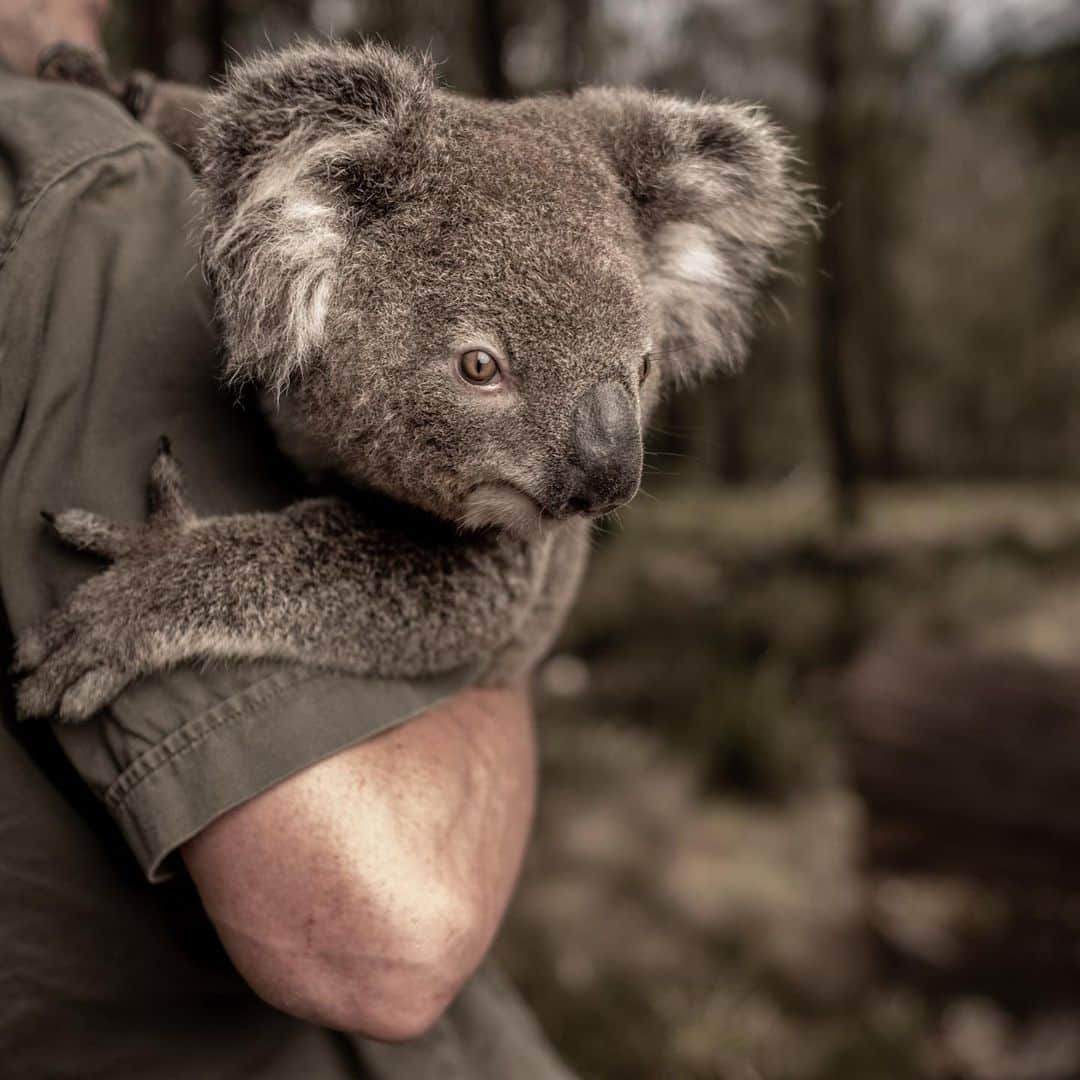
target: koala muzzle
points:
(605, 451)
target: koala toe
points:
(168, 499)
(42, 689)
(36, 696)
(91, 693)
(37, 643)
(91, 533)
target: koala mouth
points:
(503, 506)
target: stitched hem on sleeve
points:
(247, 744)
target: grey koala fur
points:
(362, 227)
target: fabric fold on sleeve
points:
(162, 793)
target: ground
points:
(693, 907)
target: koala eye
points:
(646, 367)
(479, 367)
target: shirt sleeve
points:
(106, 343)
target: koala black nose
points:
(605, 450)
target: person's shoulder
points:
(48, 129)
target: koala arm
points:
(319, 583)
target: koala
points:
(463, 312)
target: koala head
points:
(472, 306)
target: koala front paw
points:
(80, 658)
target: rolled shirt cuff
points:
(164, 783)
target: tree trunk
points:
(491, 48)
(968, 763)
(152, 26)
(576, 51)
(879, 329)
(734, 456)
(833, 277)
(215, 31)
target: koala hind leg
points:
(171, 110)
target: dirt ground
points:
(693, 907)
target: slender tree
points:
(733, 454)
(491, 47)
(833, 278)
(878, 321)
(152, 25)
(215, 33)
(576, 31)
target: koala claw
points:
(92, 533)
(168, 498)
(97, 535)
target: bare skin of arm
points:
(363, 892)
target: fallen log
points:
(968, 763)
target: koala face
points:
(485, 352)
(471, 306)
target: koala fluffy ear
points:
(296, 145)
(716, 204)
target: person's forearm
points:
(364, 891)
(483, 800)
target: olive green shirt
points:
(106, 343)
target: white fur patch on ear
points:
(699, 301)
(684, 252)
(716, 205)
(315, 250)
(284, 246)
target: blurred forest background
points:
(812, 743)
